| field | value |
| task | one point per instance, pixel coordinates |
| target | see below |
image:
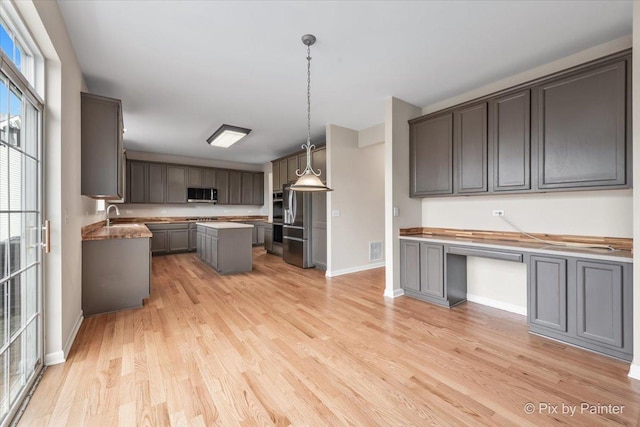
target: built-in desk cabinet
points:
(586, 302)
(564, 132)
(422, 274)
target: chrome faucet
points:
(107, 214)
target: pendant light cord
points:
(308, 95)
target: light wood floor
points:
(285, 346)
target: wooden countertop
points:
(135, 228)
(535, 247)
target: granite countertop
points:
(135, 228)
(592, 253)
(116, 231)
(224, 225)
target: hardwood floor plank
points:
(285, 346)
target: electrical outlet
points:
(128, 211)
(498, 212)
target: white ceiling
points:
(183, 68)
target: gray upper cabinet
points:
(196, 177)
(222, 184)
(431, 154)
(283, 165)
(564, 132)
(292, 167)
(275, 174)
(599, 296)
(582, 128)
(209, 178)
(510, 118)
(258, 189)
(247, 188)
(103, 164)
(176, 184)
(235, 187)
(157, 182)
(547, 302)
(470, 135)
(138, 182)
(319, 162)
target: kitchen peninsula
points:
(225, 246)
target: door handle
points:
(47, 236)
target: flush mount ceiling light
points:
(308, 179)
(227, 135)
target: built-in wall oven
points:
(277, 218)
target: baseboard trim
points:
(60, 356)
(54, 358)
(511, 308)
(335, 273)
(634, 371)
(393, 293)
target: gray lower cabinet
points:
(548, 292)
(116, 274)
(431, 156)
(193, 237)
(268, 237)
(587, 303)
(176, 184)
(171, 238)
(159, 241)
(422, 271)
(470, 133)
(258, 231)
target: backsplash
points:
(193, 210)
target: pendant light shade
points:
(308, 179)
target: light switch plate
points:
(396, 211)
(335, 212)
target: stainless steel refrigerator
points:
(296, 228)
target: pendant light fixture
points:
(308, 179)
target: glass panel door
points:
(20, 246)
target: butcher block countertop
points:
(135, 228)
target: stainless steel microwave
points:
(202, 195)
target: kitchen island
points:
(225, 246)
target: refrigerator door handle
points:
(294, 202)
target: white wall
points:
(357, 177)
(64, 205)
(635, 367)
(595, 213)
(396, 171)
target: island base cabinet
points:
(227, 251)
(116, 274)
(583, 302)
